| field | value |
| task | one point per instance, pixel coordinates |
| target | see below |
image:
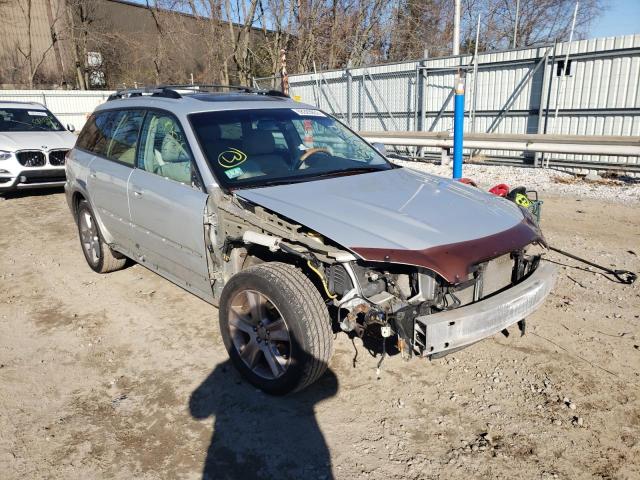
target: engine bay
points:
(376, 299)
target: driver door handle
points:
(137, 193)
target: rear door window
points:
(164, 149)
(123, 139)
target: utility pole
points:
(456, 28)
(515, 25)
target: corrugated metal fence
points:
(514, 91)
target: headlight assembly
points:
(4, 155)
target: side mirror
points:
(380, 148)
(71, 127)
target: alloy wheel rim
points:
(89, 237)
(260, 334)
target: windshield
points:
(24, 120)
(253, 148)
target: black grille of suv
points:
(56, 158)
(31, 159)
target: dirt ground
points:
(125, 376)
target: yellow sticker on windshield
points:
(231, 158)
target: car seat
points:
(262, 157)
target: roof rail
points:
(213, 87)
(205, 87)
(171, 91)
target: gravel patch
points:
(545, 181)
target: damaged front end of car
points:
(431, 316)
(432, 301)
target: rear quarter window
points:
(112, 134)
(94, 134)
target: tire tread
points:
(313, 313)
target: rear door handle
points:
(92, 175)
(137, 193)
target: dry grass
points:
(609, 180)
(566, 179)
(476, 159)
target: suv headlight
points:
(4, 155)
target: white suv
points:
(33, 146)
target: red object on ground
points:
(501, 190)
(468, 181)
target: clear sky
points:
(622, 18)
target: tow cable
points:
(623, 276)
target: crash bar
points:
(577, 144)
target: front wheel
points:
(276, 327)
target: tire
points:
(291, 308)
(99, 256)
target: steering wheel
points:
(308, 153)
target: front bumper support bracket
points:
(460, 327)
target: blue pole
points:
(458, 126)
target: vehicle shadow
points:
(258, 436)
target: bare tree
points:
(418, 26)
(239, 36)
(223, 41)
(276, 19)
(33, 59)
(539, 21)
(80, 20)
(159, 42)
(217, 56)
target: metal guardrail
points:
(536, 143)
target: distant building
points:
(110, 43)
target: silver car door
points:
(167, 207)
(114, 148)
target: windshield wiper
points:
(277, 181)
(347, 171)
(310, 177)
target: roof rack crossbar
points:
(205, 86)
(144, 91)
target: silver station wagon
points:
(295, 227)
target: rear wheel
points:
(98, 254)
(276, 327)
